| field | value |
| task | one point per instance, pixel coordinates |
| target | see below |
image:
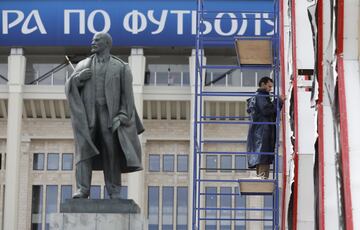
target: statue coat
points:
(120, 103)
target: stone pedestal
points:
(84, 214)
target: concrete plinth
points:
(96, 221)
(84, 214)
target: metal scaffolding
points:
(247, 186)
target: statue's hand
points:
(120, 119)
(83, 76)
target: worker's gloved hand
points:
(83, 76)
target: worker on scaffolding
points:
(261, 137)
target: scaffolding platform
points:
(254, 51)
(256, 187)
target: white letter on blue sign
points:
(20, 16)
(107, 23)
(180, 19)
(269, 22)
(39, 25)
(136, 27)
(160, 23)
(244, 25)
(81, 20)
(207, 24)
(217, 24)
(5, 24)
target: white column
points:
(352, 91)
(136, 187)
(192, 66)
(16, 75)
(306, 138)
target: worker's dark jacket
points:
(261, 137)
(120, 102)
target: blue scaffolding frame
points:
(199, 182)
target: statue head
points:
(101, 42)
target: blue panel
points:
(131, 23)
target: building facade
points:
(36, 138)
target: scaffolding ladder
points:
(265, 57)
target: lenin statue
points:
(104, 119)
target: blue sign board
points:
(131, 23)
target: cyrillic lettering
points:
(67, 20)
(180, 19)
(217, 24)
(107, 22)
(160, 23)
(136, 25)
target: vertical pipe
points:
(283, 114)
(343, 117)
(195, 210)
(320, 37)
(295, 92)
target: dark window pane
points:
(210, 202)
(66, 192)
(167, 208)
(240, 202)
(182, 163)
(53, 161)
(168, 163)
(0, 161)
(162, 78)
(268, 204)
(51, 202)
(240, 162)
(154, 163)
(36, 207)
(225, 163)
(67, 161)
(153, 207)
(38, 161)
(249, 78)
(211, 163)
(182, 208)
(95, 191)
(186, 78)
(225, 202)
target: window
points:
(53, 161)
(248, 78)
(66, 192)
(182, 163)
(225, 163)
(182, 208)
(210, 202)
(154, 163)
(51, 202)
(225, 202)
(240, 162)
(36, 207)
(168, 163)
(67, 161)
(38, 161)
(3, 73)
(95, 191)
(268, 204)
(211, 163)
(0, 161)
(240, 215)
(167, 208)
(153, 207)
